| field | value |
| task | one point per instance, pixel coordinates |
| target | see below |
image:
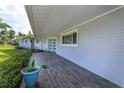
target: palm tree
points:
(11, 35)
(4, 25)
(4, 37)
(20, 34)
(4, 33)
(30, 37)
(1, 38)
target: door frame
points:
(52, 38)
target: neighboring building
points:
(90, 36)
(27, 44)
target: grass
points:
(8, 51)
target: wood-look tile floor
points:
(62, 73)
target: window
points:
(69, 38)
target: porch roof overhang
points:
(48, 20)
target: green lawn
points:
(11, 63)
(7, 52)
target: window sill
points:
(70, 45)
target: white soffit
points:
(50, 20)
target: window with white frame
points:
(70, 38)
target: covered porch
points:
(62, 73)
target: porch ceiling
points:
(52, 19)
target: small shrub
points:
(9, 73)
(25, 58)
(10, 70)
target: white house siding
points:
(28, 44)
(25, 44)
(38, 45)
(44, 40)
(101, 47)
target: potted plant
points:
(30, 74)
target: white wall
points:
(25, 44)
(38, 45)
(44, 43)
(101, 47)
(28, 44)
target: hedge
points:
(10, 70)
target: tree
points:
(30, 37)
(20, 35)
(4, 37)
(4, 25)
(11, 35)
(4, 32)
(1, 38)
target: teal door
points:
(52, 45)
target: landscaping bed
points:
(10, 67)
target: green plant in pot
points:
(30, 74)
(30, 68)
(25, 62)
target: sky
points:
(16, 17)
